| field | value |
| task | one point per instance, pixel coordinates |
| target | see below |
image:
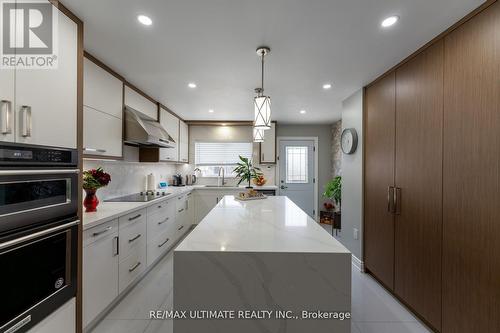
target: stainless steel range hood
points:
(142, 132)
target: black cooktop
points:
(140, 197)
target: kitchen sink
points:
(217, 186)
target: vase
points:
(91, 201)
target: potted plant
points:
(93, 180)
(246, 171)
(333, 192)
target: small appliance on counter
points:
(191, 179)
(38, 232)
(177, 180)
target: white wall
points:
(352, 176)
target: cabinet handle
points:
(116, 250)
(26, 126)
(160, 206)
(217, 200)
(165, 242)
(135, 267)
(95, 234)
(180, 228)
(135, 217)
(164, 221)
(180, 210)
(397, 201)
(189, 193)
(135, 238)
(94, 150)
(6, 109)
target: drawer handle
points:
(94, 150)
(135, 238)
(95, 234)
(179, 198)
(164, 221)
(135, 267)
(165, 242)
(160, 206)
(180, 210)
(180, 228)
(135, 217)
(189, 193)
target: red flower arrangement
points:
(93, 180)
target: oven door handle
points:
(37, 234)
(38, 172)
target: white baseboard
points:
(358, 263)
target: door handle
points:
(397, 201)
(6, 109)
(26, 124)
(116, 250)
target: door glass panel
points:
(296, 165)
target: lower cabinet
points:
(206, 200)
(100, 273)
(61, 320)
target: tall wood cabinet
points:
(432, 179)
(471, 180)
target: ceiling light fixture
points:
(258, 135)
(144, 19)
(302, 111)
(211, 111)
(192, 85)
(262, 103)
(390, 21)
(327, 86)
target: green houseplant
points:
(333, 191)
(245, 171)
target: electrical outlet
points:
(356, 233)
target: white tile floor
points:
(374, 310)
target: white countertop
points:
(107, 211)
(274, 224)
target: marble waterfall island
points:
(261, 266)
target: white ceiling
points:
(213, 42)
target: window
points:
(296, 165)
(210, 156)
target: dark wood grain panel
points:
(418, 226)
(379, 175)
(471, 223)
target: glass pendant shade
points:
(258, 135)
(262, 106)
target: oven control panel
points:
(33, 155)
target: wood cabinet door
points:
(379, 175)
(418, 224)
(471, 223)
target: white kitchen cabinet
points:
(141, 104)
(7, 105)
(159, 245)
(206, 200)
(46, 99)
(268, 147)
(100, 269)
(183, 142)
(102, 133)
(181, 218)
(171, 124)
(131, 267)
(190, 207)
(61, 320)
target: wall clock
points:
(349, 141)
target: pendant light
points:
(258, 135)
(262, 103)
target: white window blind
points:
(221, 153)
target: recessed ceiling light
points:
(302, 111)
(211, 111)
(192, 85)
(390, 21)
(327, 86)
(144, 19)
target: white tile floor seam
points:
(374, 310)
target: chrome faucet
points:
(221, 170)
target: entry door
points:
(297, 173)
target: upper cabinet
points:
(102, 112)
(141, 104)
(183, 142)
(44, 105)
(171, 124)
(268, 147)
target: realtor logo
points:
(28, 34)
